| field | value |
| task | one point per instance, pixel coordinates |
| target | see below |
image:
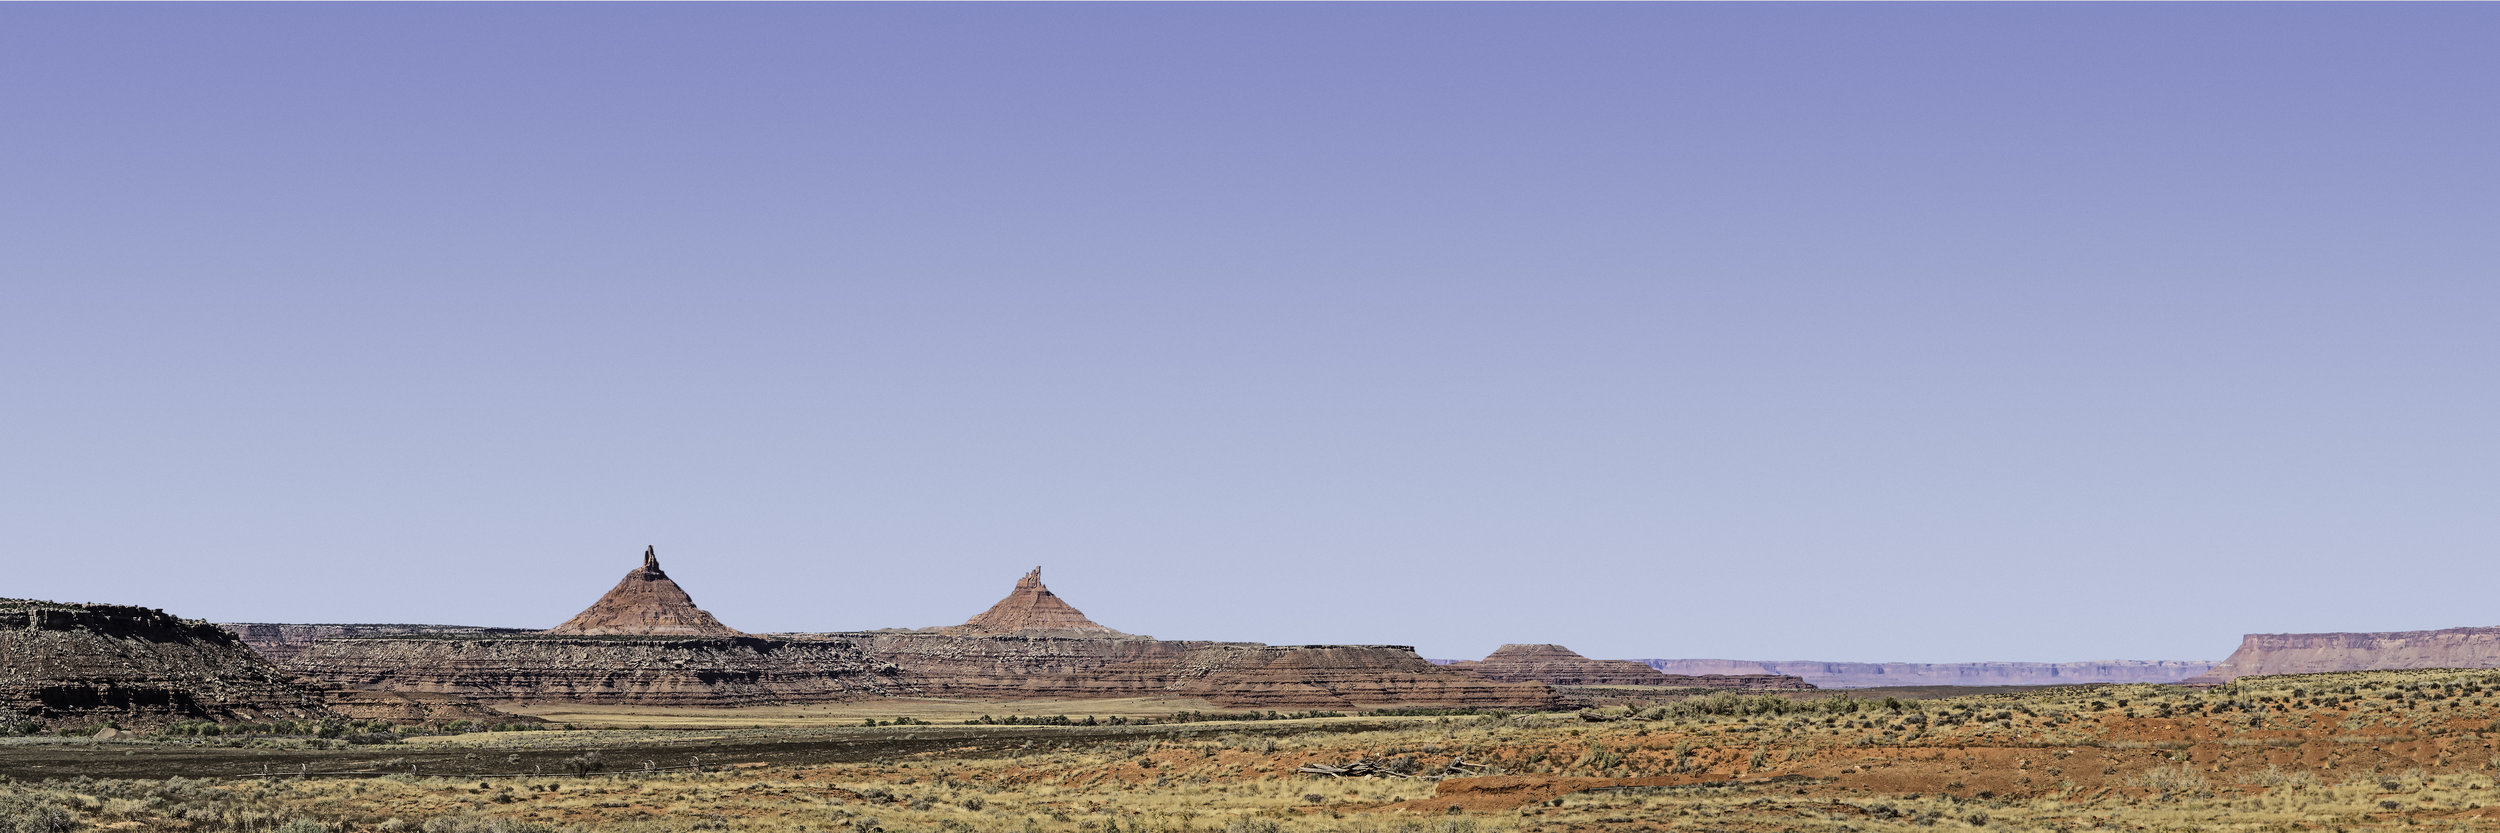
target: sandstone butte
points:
(1557, 665)
(1871, 674)
(646, 603)
(1031, 645)
(2313, 653)
(1032, 609)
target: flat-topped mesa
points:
(1557, 665)
(646, 603)
(2262, 654)
(1032, 609)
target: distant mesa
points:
(2263, 654)
(1032, 609)
(1825, 674)
(1557, 665)
(646, 603)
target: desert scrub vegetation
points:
(2315, 752)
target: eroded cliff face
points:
(2312, 653)
(645, 671)
(281, 642)
(71, 664)
(1240, 675)
(1873, 674)
(1557, 665)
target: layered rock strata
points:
(281, 642)
(1874, 674)
(1557, 665)
(1031, 608)
(1235, 675)
(642, 671)
(645, 603)
(70, 664)
(2312, 653)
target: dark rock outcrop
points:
(643, 671)
(646, 603)
(71, 664)
(2312, 653)
(1873, 674)
(1557, 665)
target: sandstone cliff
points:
(646, 603)
(2311, 653)
(1557, 665)
(1872, 674)
(71, 664)
(646, 671)
(1031, 608)
(1241, 675)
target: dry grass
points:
(848, 714)
(2325, 752)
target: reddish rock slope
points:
(1032, 609)
(646, 603)
(2311, 653)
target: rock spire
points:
(646, 603)
(1032, 607)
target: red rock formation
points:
(1873, 674)
(646, 603)
(1032, 608)
(70, 664)
(1557, 665)
(2313, 653)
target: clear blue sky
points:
(1877, 332)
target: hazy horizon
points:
(1921, 333)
